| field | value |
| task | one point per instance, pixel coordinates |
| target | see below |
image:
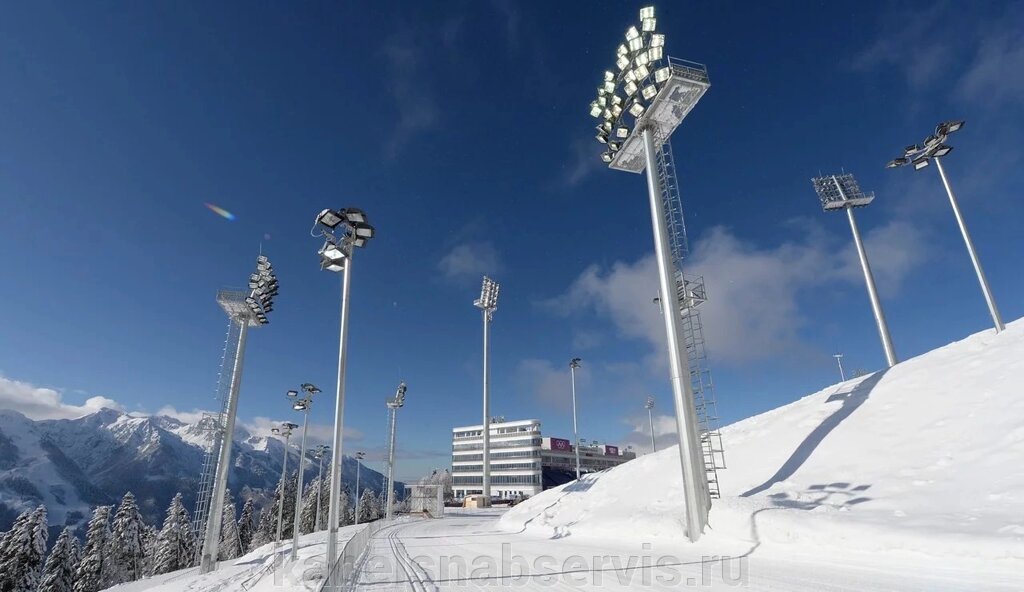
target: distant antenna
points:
(839, 360)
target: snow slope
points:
(922, 460)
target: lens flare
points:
(219, 211)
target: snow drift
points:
(923, 458)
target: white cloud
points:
(319, 433)
(753, 310)
(639, 436)
(46, 403)
(470, 260)
(417, 108)
(551, 385)
(584, 160)
(183, 416)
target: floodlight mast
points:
(359, 457)
(487, 303)
(247, 309)
(393, 406)
(573, 365)
(842, 192)
(672, 91)
(934, 148)
(321, 451)
(839, 360)
(649, 406)
(344, 230)
(286, 431)
(304, 404)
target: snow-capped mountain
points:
(72, 465)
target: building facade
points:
(519, 458)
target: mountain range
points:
(73, 465)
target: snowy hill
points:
(921, 459)
(72, 465)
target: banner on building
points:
(611, 450)
(560, 444)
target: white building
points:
(519, 458)
(515, 459)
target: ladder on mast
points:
(689, 295)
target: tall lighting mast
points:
(319, 454)
(285, 431)
(245, 308)
(639, 104)
(573, 365)
(841, 192)
(649, 406)
(359, 465)
(343, 231)
(934, 148)
(304, 405)
(393, 406)
(487, 303)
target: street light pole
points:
(649, 405)
(304, 406)
(359, 457)
(393, 406)
(839, 360)
(573, 365)
(935, 148)
(343, 230)
(487, 303)
(286, 431)
(321, 450)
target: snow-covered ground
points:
(904, 480)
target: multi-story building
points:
(519, 458)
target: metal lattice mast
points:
(214, 424)
(690, 294)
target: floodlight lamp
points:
(920, 163)
(602, 101)
(931, 140)
(636, 44)
(647, 25)
(953, 125)
(609, 76)
(335, 266)
(911, 149)
(365, 231)
(657, 40)
(942, 150)
(613, 146)
(300, 406)
(606, 156)
(641, 72)
(607, 127)
(621, 50)
(609, 87)
(629, 76)
(329, 218)
(631, 88)
(359, 241)
(622, 62)
(622, 132)
(647, 12)
(602, 138)
(607, 114)
(637, 109)
(354, 215)
(642, 59)
(332, 252)
(616, 110)
(595, 109)
(616, 100)
(292, 394)
(662, 74)
(656, 53)
(649, 92)
(252, 284)
(631, 34)
(310, 388)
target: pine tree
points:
(149, 538)
(127, 551)
(247, 526)
(59, 570)
(230, 544)
(308, 515)
(24, 547)
(93, 568)
(176, 543)
(265, 530)
(369, 508)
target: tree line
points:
(120, 547)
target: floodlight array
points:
(639, 75)
(649, 404)
(934, 146)
(488, 295)
(285, 430)
(306, 402)
(342, 230)
(399, 400)
(263, 288)
(840, 191)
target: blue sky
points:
(463, 131)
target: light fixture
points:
(622, 132)
(364, 231)
(606, 156)
(613, 146)
(608, 76)
(621, 50)
(609, 87)
(329, 218)
(632, 33)
(332, 251)
(602, 138)
(657, 40)
(616, 100)
(622, 62)
(647, 25)
(656, 53)
(911, 149)
(920, 162)
(629, 76)
(642, 59)
(354, 215)
(647, 12)
(954, 125)
(636, 44)
(637, 109)
(649, 92)
(292, 394)
(616, 110)
(942, 150)
(602, 101)
(641, 72)
(630, 88)
(662, 74)
(595, 109)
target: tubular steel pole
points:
(298, 486)
(650, 418)
(698, 501)
(319, 489)
(358, 497)
(334, 514)
(280, 500)
(990, 300)
(575, 431)
(208, 562)
(839, 360)
(391, 465)
(485, 431)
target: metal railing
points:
(688, 69)
(343, 570)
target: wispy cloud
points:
(470, 260)
(754, 311)
(46, 403)
(584, 160)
